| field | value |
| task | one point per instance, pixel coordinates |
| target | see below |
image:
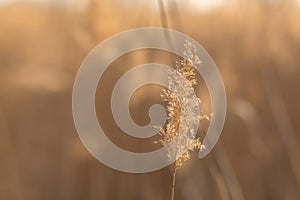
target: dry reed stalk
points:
(171, 133)
(179, 134)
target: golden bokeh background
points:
(255, 44)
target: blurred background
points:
(255, 44)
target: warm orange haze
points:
(256, 46)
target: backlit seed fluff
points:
(180, 104)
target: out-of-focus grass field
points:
(255, 44)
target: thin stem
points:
(174, 182)
(163, 15)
